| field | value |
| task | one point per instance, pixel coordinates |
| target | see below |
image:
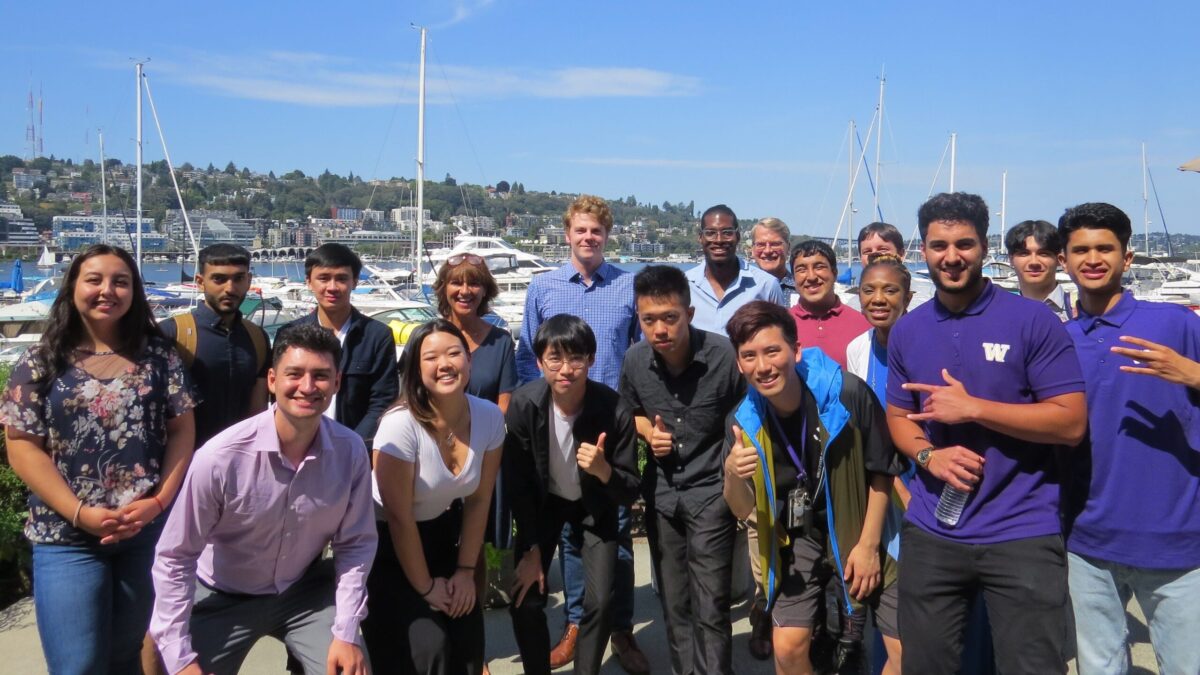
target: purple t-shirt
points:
(1003, 348)
(1134, 494)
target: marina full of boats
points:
(395, 292)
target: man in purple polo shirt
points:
(240, 556)
(982, 385)
(822, 320)
(1132, 492)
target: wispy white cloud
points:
(323, 80)
(462, 12)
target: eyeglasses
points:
(719, 235)
(769, 246)
(555, 363)
(469, 258)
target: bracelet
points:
(75, 518)
(432, 585)
(161, 509)
(467, 567)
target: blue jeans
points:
(1100, 590)
(93, 603)
(572, 573)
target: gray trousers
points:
(225, 626)
(693, 558)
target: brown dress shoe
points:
(564, 652)
(629, 654)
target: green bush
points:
(15, 554)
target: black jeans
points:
(1023, 581)
(693, 558)
(411, 637)
(599, 556)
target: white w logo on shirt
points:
(993, 351)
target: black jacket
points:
(527, 456)
(370, 381)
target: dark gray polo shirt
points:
(223, 373)
(693, 407)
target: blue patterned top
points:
(606, 305)
(106, 437)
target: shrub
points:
(14, 548)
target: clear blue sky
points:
(673, 101)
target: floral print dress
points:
(107, 437)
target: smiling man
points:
(681, 383)
(983, 386)
(770, 240)
(370, 382)
(225, 353)
(822, 319)
(724, 282)
(240, 555)
(808, 455)
(1033, 249)
(1133, 488)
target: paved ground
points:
(21, 652)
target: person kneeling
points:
(241, 554)
(570, 456)
(808, 453)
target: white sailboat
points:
(47, 258)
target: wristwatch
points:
(923, 457)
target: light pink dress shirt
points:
(243, 504)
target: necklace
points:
(90, 353)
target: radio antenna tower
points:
(41, 126)
(30, 130)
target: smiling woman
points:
(437, 453)
(98, 417)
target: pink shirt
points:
(832, 331)
(266, 521)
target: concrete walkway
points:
(21, 651)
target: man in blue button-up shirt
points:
(1133, 489)
(724, 282)
(589, 287)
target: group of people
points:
(1035, 459)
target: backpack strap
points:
(259, 337)
(186, 338)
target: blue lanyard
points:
(802, 478)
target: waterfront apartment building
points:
(208, 227)
(77, 232)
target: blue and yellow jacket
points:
(844, 404)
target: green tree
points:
(231, 169)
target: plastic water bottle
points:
(950, 505)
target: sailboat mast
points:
(953, 157)
(879, 148)
(103, 193)
(1003, 207)
(420, 159)
(1145, 205)
(138, 223)
(850, 192)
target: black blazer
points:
(527, 457)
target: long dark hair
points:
(413, 394)
(64, 326)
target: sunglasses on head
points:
(469, 258)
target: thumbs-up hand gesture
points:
(661, 438)
(948, 404)
(590, 458)
(743, 459)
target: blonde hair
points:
(593, 206)
(775, 225)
